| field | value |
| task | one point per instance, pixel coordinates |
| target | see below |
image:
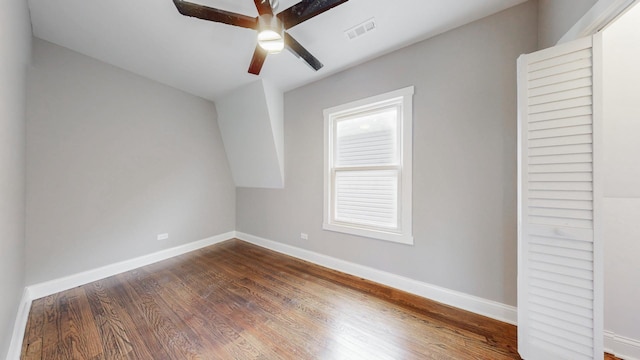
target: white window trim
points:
(405, 235)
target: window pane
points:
(369, 139)
(367, 198)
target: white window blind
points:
(368, 170)
(368, 139)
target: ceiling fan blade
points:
(299, 51)
(259, 55)
(217, 15)
(263, 6)
(305, 10)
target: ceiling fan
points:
(271, 28)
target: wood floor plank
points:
(257, 319)
(113, 335)
(53, 345)
(144, 345)
(197, 316)
(235, 300)
(27, 337)
(608, 356)
(170, 330)
(80, 328)
(32, 344)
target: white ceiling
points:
(150, 37)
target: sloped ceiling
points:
(253, 135)
(150, 38)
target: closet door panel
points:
(557, 283)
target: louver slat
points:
(560, 78)
(560, 315)
(560, 60)
(559, 186)
(562, 159)
(561, 95)
(562, 150)
(568, 176)
(570, 195)
(560, 104)
(556, 271)
(558, 168)
(559, 123)
(567, 204)
(564, 131)
(558, 87)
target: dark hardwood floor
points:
(235, 300)
(611, 357)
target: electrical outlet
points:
(304, 236)
(163, 236)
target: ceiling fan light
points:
(270, 34)
(271, 41)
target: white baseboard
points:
(620, 346)
(457, 299)
(15, 346)
(37, 291)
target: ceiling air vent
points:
(361, 29)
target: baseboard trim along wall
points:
(68, 282)
(457, 299)
(622, 347)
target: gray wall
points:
(15, 45)
(621, 178)
(556, 17)
(464, 183)
(114, 159)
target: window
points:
(367, 185)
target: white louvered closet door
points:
(559, 287)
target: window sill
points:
(406, 239)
